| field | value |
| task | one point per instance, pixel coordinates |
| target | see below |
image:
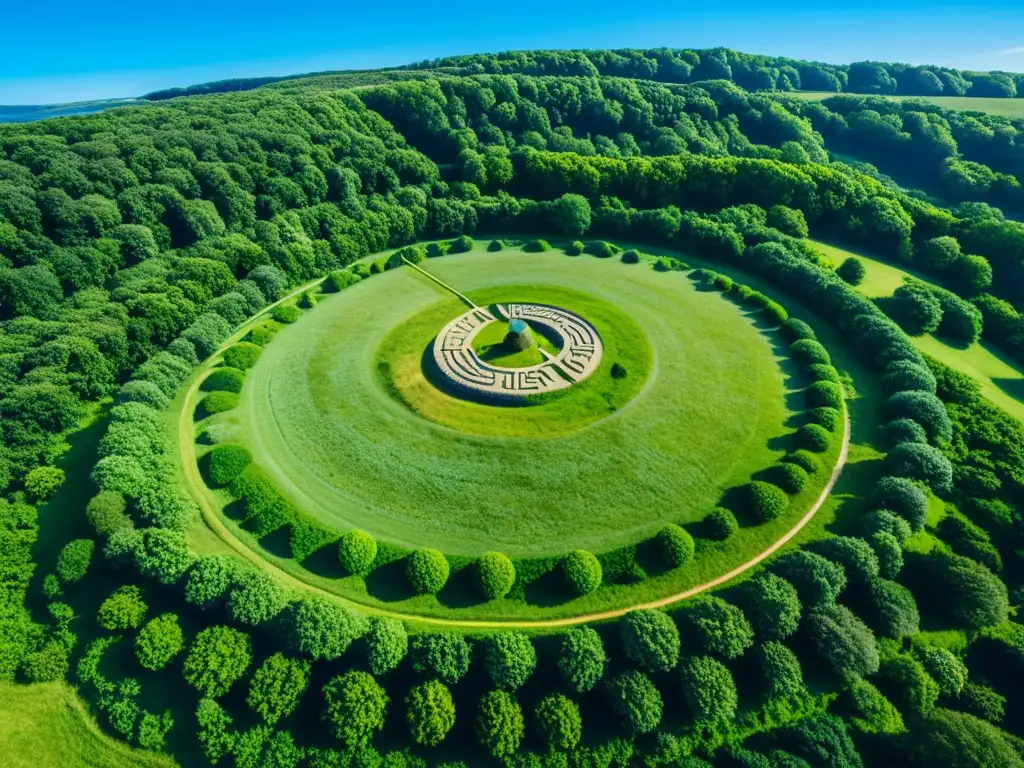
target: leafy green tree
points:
(959, 740)
(159, 641)
(582, 659)
(633, 697)
(429, 712)
(651, 640)
(42, 482)
(893, 610)
(571, 214)
(277, 687)
(499, 724)
(771, 604)
(164, 555)
(427, 571)
(675, 545)
(443, 655)
(818, 581)
(768, 502)
(215, 734)
(842, 640)
(946, 669)
(209, 579)
(510, 659)
(357, 551)
(495, 575)
(558, 722)
(218, 658)
(781, 670)
(852, 271)
(582, 571)
(908, 684)
(871, 712)
(73, 560)
(124, 609)
(355, 707)
(324, 629)
(387, 643)
(709, 690)
(717, 627)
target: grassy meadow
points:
(1013, 108)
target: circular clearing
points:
(320, 416)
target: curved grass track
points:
(237, 542)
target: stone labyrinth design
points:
(579, 357)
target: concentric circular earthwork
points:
(580, 351)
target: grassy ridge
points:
(993, 106)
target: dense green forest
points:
(133, 242)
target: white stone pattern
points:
(579, 357)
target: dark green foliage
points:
(209, 579)
(903, 431)
(767, 502)
(106, 513)
(843, 641)
(982, 702)
(618, 371)
(256, 597)
(159, 641)
(889, 551)
(537, 246)
(851, 271)
(970, 594)
(355, 707)
(357, 551)
(339, 281)
(958, 740)
(324, 629)
(630, 257)
(558, 722)
(124, 609)
(73, 560)
(633, 697)
(461, 244)
(429, 713)
(892, 610)
(499, 724)
(602, 249)
(510, 659)
(219, 656)
(286, 313)
(818, 581)
(571, 214)
(387, 644)
(967, 539)
(916, 309)
(709, 690)
(720, 524)
(884, 521)
(921, 462)
(858, 560)
(675, 545)
(824, 741)
(908, 684)
(581, 659)
(442, 655)
(906, 375)
(771, 604)
(809, 352)
(716, 627)
(495, 575)
(427, 571)
(945, 669)
(266, 510)
(436, 250)
(309, 535)
(794, 330)
(822, 372)
(495, 245)
(651, 640)
(924, 408)
(575, 248)
(904, 497)
(805, 460)
(870, 711)
(780, 670)
(582, 571)
(825, 394)
(814, 437)
(224, 380)
(226, 462)
(218, 402)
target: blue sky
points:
(68, 51)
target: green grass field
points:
(47, 725)
(1003, 107)
(323, 424)
(1001, 381)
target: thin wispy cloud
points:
(1018, 51)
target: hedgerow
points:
(242, 355)
(830, 418)
(809, 352)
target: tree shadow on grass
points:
(324, 562)
(460, 591)
(734, 499)
(851, 489)
(549, 590)
(388, 583)
(235, 510)
(278, 543)
(1012, 387)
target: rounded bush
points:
(814, 437)
(904, 497)
(510, 659)
(42, 482)
(805, 460)
(883, 521)
(224, 380)
(461, 244)
(226, 462)
(357, 551)
(675, 545)
(720, 524)
(495, 245)
(809, 352)
(581, 659)
(618, 371)
(630, 257)
(427, 571)
(106, 513)
(794, 330)
(924, 408)
(768, 502)
(790, 477)
(582, 571)
(429, 712)
(558, 721)
(218, 402)
(635, 699)
(903, 375)
(74, 559)
(499, 724)
(495, 575)
(823, 372)
(851, 271)
(537, 246)
(903, 431)
(286, 313)
(919, 461)
(651, 640)
(916, 309)
(242, 355)
(829, 418)
(825, 394)
(722, 283)
(602, 249)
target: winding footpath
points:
(213, 521)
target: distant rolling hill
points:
(27, 113)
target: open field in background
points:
(1001, 381)
(993, 106)
(47, 725)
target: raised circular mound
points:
(341, 413)
(580, 351)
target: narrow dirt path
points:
(213, 521)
